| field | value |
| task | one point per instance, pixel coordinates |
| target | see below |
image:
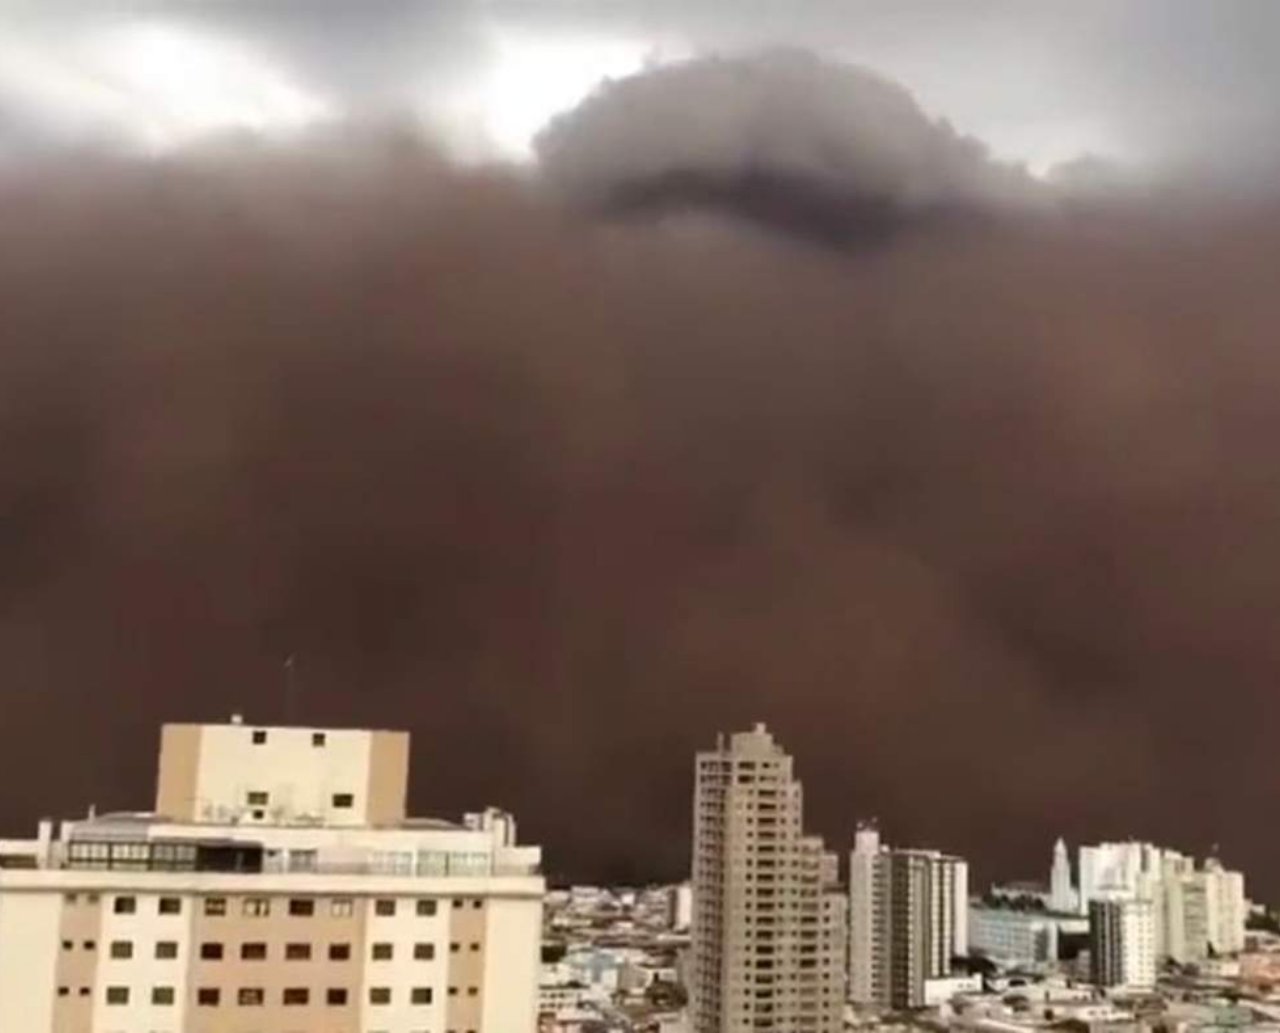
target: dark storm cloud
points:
(826, 151)
(986, 526)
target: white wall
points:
(28, 957)
(300, 777)
(402, 973)
(143, 971)
(513, 943)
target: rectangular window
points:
(125, 905)
(297, 952)
(211, 951)
(166, 950)
(381, 952)
(342, 907)
(339, 951)
(250, 997)
(474, 947)
(420, 995)
(208, 996)
(215, 907)
(253, 951)
(343, 801)
(384, 908)
(259, 737)
(117, 995)
(257, 798)
(302, 908)
(122, 950)
(295, 995)
(379, 995)
(162, 995)
(67, 945)
(335, 996)
(257, 907)
(89, 945)
(317, 738)
(170, 906)
(426, 908)
(424, 951)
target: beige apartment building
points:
(277, 887)
(769, 919)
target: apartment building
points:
(908, 918)
(767, 934)
(278, 886)
(1122, 943)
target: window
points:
(453, 991)
(257, 907)
(208, 996)
(301, 908)
(117, 995)
(166, 950)
(457, 903)
(162, 995)
(342, 907)
(211, 951)
(257, 798)
(426, 908)
(297, 952)
(343, 801)
(454, 948)
(84, 991)
(317, 738)
(472, 991)
(295, 995)
(379, 995)
(420, 995)
(424, 951)
(253, 951)
(122, 950)
(339, 951)
(250, 996)
(335, 995)
(63, 991)
(215, 907)
(67, 945)
(259, 737)
(71, 898)
(170, 906)
(384, 908)
(474, 947)
(477, 904)
(381, 952)
(124, 905)
(89, 945)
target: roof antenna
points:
(290, 688)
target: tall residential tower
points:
(768, 927)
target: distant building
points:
(280, 886)
(766, 957)
(1013, 937)
(1122, 943)
(1062, 893)
(681, 907)
(908, 918)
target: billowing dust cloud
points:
(987, 526)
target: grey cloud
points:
(782, 137)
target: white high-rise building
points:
(278, 885)
(1062, 894)
(1197, 912)
(1122, 943)
(908, 918)
(768, 938)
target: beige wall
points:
(388, 777)
(465, 978)
(179, 771)
(79, 925)
(276, 973)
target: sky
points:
(568, 382)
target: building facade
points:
(1122, 943)
(277, 886)
(767, 932)
(1014, 937)
(908, 918)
